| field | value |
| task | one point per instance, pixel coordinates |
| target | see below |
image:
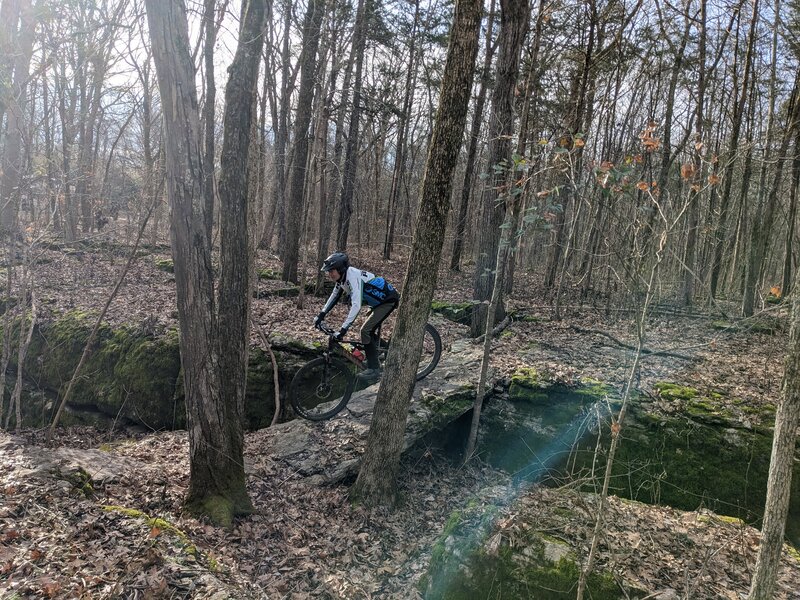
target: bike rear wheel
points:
(321, 388)
(431, 351)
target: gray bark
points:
(513, 26)
(376, 483)
(213, 390)
(298, 173)
(779, 480)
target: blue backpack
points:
(379, 291)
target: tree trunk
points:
(67, 101)
(365, 8)
(233, 333)
(779, 480)
(472, 149)
(791, 218)
(377, 479)
(325, 168)
(213, 392)
(690, 271)
(513, 26)
(12, 159)
(762, 222)
(733, 148)
(282, 127)
(209, 109)
(298, 173)
(9, 19)
(574, 118)
(402, 139)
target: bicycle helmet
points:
(338, 261)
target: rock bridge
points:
(330, 451)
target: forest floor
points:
(127, 538)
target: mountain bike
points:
(322, 387)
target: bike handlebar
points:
(325, 329)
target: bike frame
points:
(335, 346)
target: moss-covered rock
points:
(536, 429)
(268, 274)
(763, 324)
(467, 563)
(165, 264)
(528, 385)
(688, 448)
(459, 312)
(445, 410)
(130, 376)
(673, 391)
(699, 457)
(127, 374)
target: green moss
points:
(592, 390)
(81, 482)
(700, 407)
(527, 385)
(439, 547)
(213, 565)
(219, 510)
(525, 318)
(128, 512)
(537, 566)
(165, 264)
(268, 274)
(731, 520)
(155, 522)
(527, 377)
(184, 542)
(794, 553)
(443, 410)
(765, 324)
(673, 391)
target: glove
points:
(340, 334)
(319, 319)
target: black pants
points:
(376, 317)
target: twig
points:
(495, 331)
(276, 383)
(22, 353)
(629, 346)
(616, 424)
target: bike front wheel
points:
(321, 388)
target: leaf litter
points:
(61, 540)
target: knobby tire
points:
(431, 351)
(321, 388)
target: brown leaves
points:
(687, 171)
(649, 141)
(9, 535)
(51, 588)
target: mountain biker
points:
(359, 286)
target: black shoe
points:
(370, 376)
